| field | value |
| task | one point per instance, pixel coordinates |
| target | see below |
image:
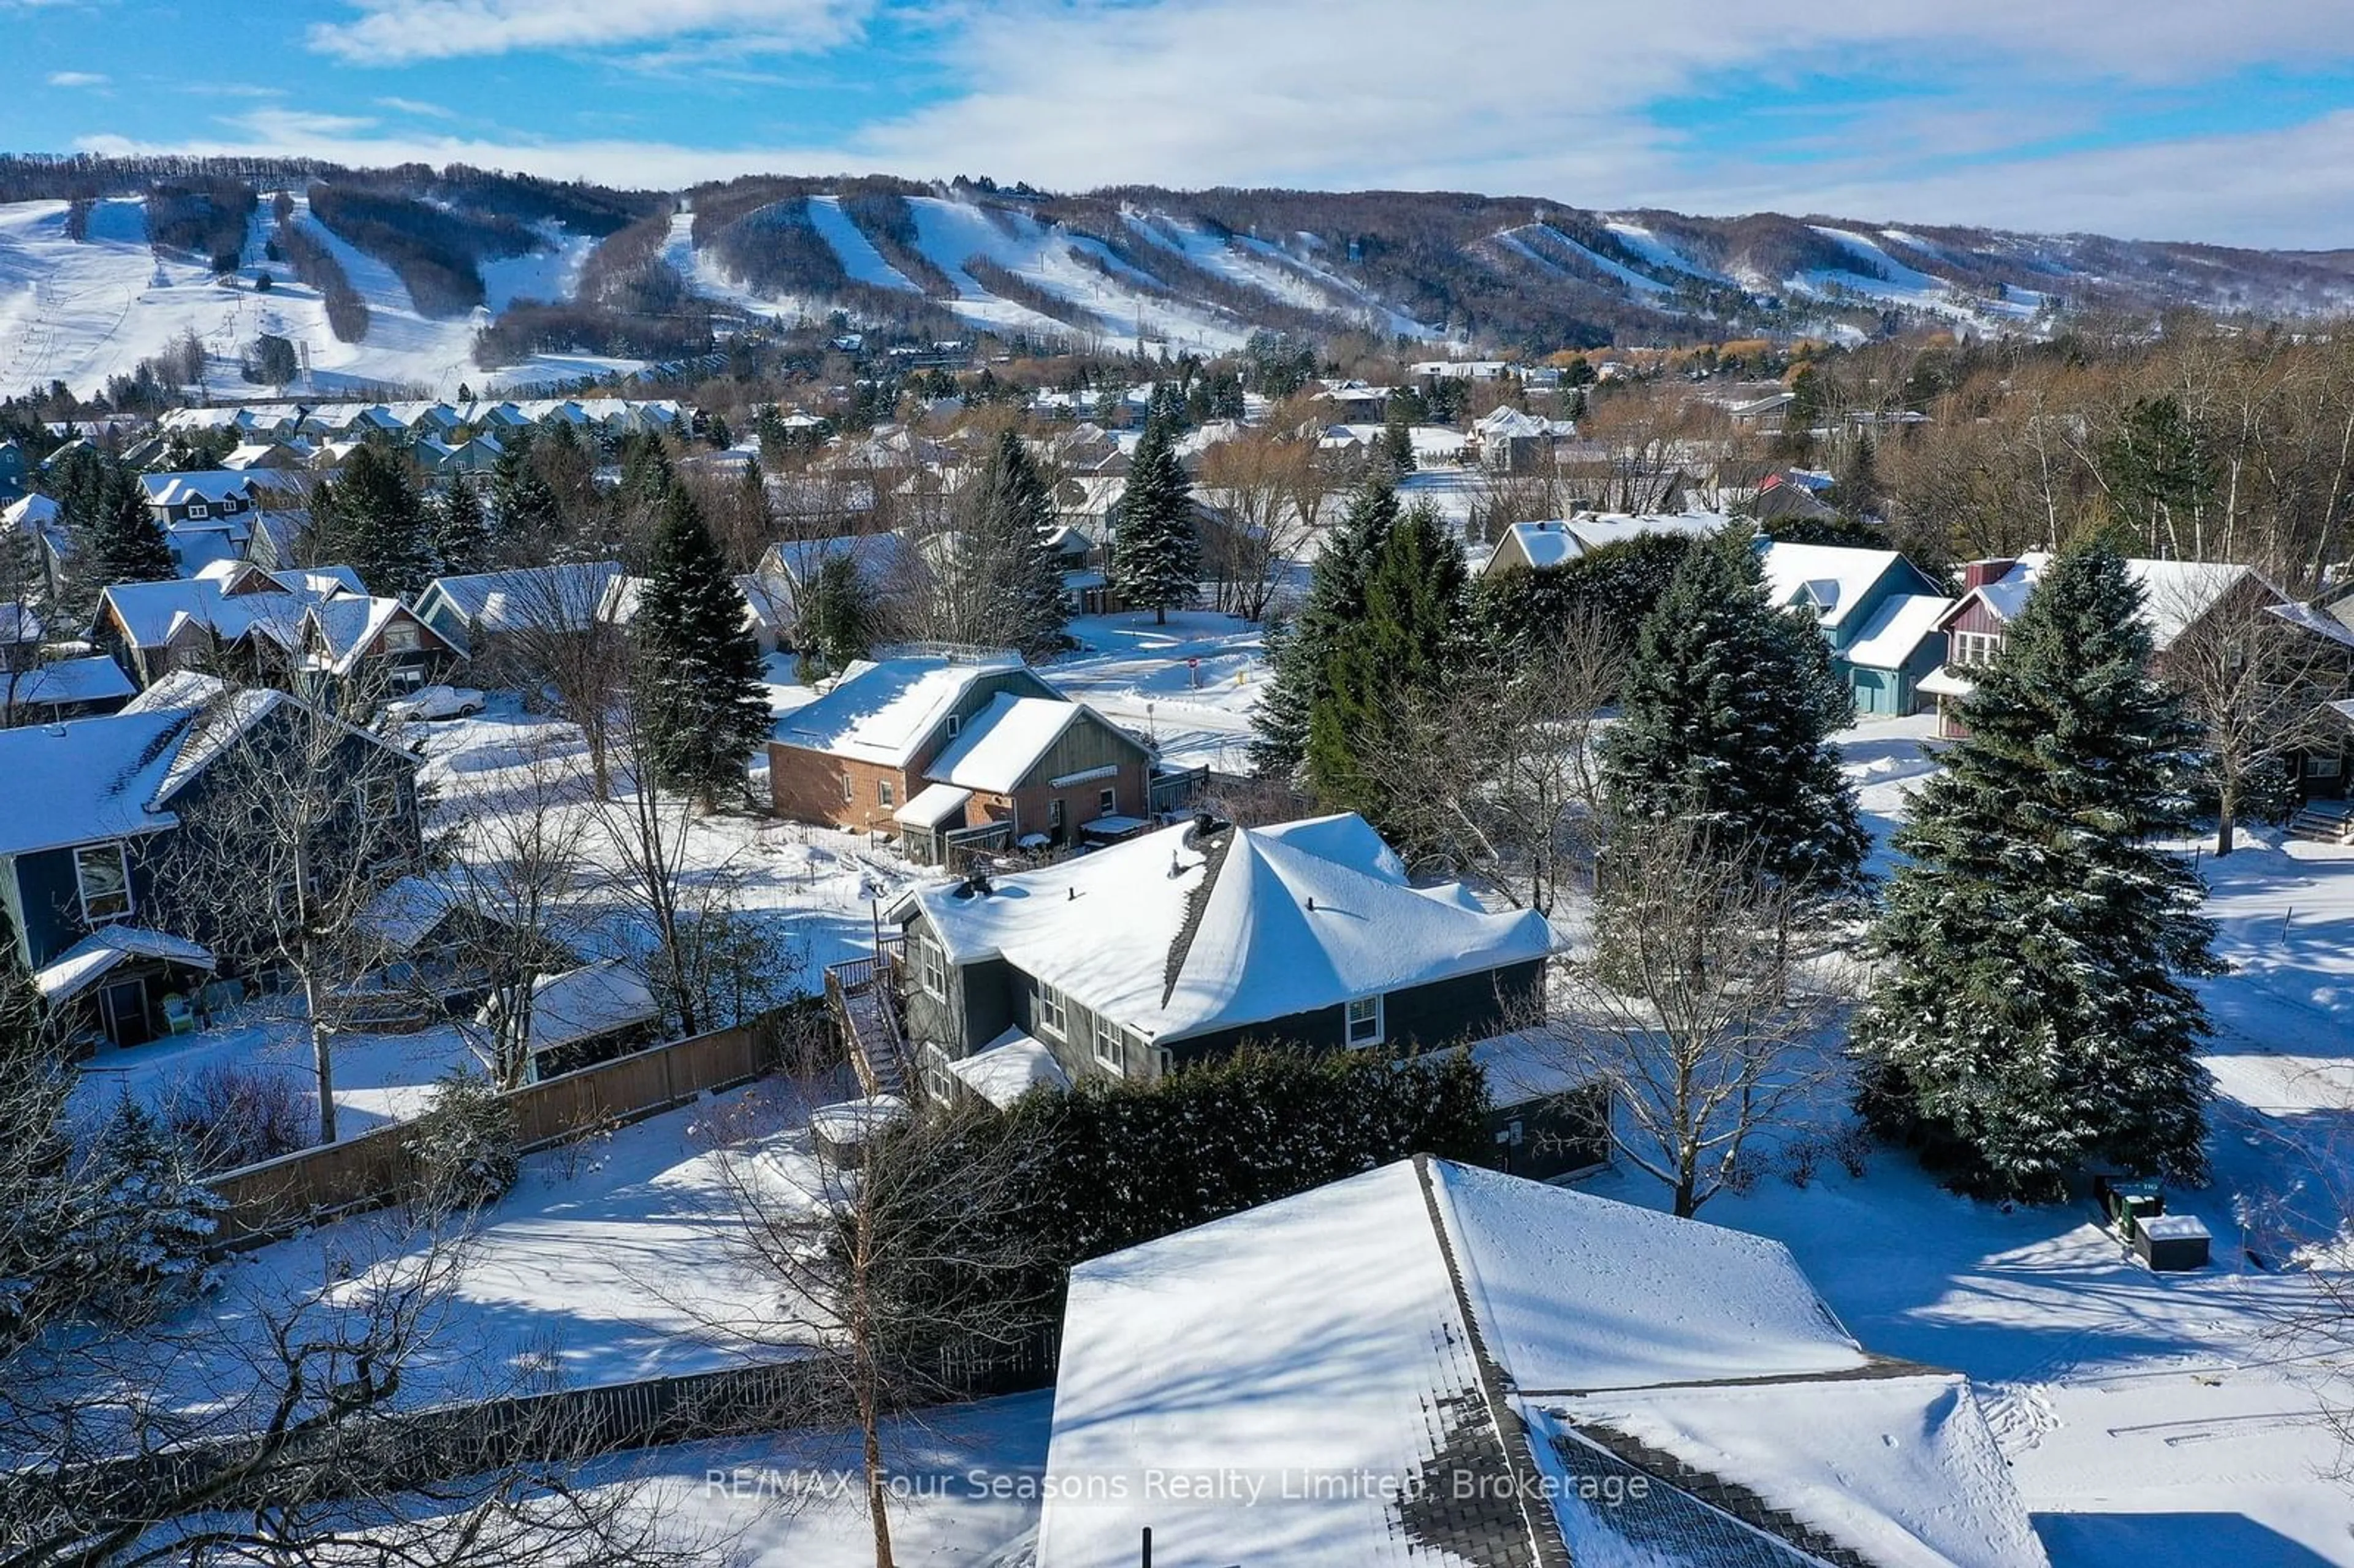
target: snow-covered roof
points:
(152, 613)
(880, 557)
(1001, 744)
(1556, 541)
(1292, 919)
(89, 779)
(932, 805)
(602, 998)
(91, 680)
(1896, 628)
(89, 960)
(2175, 594)
(1829, 579)
(348, 626)
(407, 912)
(569, 596)
(883, 713)
(211, 486)
(1403, 1326)
(1008, 1067)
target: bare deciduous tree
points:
(562, 635)
(2258, 683)
(1502, 776)
(1690, 1010)
(895, 1268)
(303, 821)
(1265, 492)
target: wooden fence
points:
(268, 1200)
(379, 1453)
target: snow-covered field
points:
(1190, 685)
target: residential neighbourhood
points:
(804, 900)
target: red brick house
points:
(939, 752)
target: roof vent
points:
(1311, 903)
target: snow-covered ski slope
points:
(1098, 292)
(81, 311)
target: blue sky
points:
(2174, 118)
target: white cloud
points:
(78, 79)
(398, 32)
(416, 107)
(1920, 111)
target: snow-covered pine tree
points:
(1154, 546)
(1302, 655)
(461, 534)
(1728, 710)
(1403, 652)
(115, 538)
(524, 506)
(701, 701)
(375, 524)
(1006, 523)
(143, 1239)
(838, 617)
(2032, 1016)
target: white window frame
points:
(81, 888)
(931, 967)
(1108, 1044)
(1106, 801)
(1972, 649)
(198, 511)
(882, 793)
(849, 791)
(1053, 1011)
(400, 637)
(2317, 765)
(956, 725)
(1351, 1015)
(1055, 815)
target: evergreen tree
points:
(1401, 655)
(1155, 547)
(2032, 1016)
(1727, 715)
(1301, 657)
(1858, 481)
(701, 701)
(1008, 562)
(461, 534)
(837, 621)
(371, 518)
(1397, 445)
(143, 1240)
(112, 535)
(522, 503)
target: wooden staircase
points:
(2324, 821)
(862, 995)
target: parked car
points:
(436, 703)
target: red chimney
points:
(1977, 574)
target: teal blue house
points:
(1878, 610)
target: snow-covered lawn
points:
(611, 1261)
(379, 1078)
(2150, 1419)
(1191, 685)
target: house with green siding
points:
(1880, 613)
